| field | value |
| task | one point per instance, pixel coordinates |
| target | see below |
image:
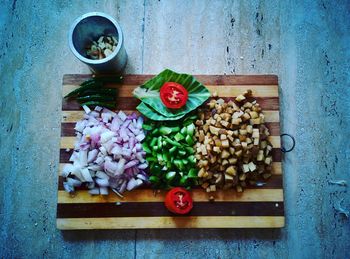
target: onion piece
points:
(86, 109)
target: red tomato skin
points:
(166, 90)
(171, 197)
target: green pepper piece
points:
(102, 104)
(189, 140)
(192, 173)
(190, 129)
(155, 148)
(172, 142)
(184, 161)
(154, 179)
(164, 130)
(179, 164)
(184, 180)
(147, 127)
(155, 131)
(160, 144)
(179, 136)
(151, 159)
(183, 131)
(168, 163)
(182, 152)
(153, 142)
(175, 129)
(172, 150)
(192, 159)
(146, 148)
(170, 175)
(155, 168)
(160, 158)
(189, 150)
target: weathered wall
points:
(304, 42)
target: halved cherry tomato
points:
(179, 201)
(173, 95)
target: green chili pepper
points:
(104, 91)
(96, 97)
(84, 86)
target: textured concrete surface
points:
(304, 42)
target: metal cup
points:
(89, 27)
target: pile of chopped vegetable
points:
(232, 148)
(170, 153)
(107, 153)
(93, 92)
(170, 96)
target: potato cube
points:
(252, 166)
(225, 143)
(240, 98)
(245, 168)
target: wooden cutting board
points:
(256, 207)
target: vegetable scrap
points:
(107, 153)
(232, 148)
(93, 92)
(170, 153)
(178, 201)
(153, 107)
(338, 182)
(102, 48)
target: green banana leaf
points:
(148, 93)
(153, 115)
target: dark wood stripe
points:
(67, 129)
(275, 182)
(149, 209)
(204, 79)
(64, 155)
(122, 103)
(130, 103)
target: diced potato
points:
(231, 170)
(217, 142)
(252, 166)
(249, 129)
(260, 156)
(245, 168)
(236, 121)
(245, 117)
(239, 188)
(223, 137)
(201, 172)
(248, 140)
(213, 188)
(232, 150)
(214, 130)
(254, 115)
(255, 121)
(225, 154)
(224, 123)
(243, 132)
(268, 160)
(232, 161)
(230, 138)
(240, 98)
(242, 177)
(238, 153)
(228, 177)
(244, 145)
(235, 133)
(263, 144)
(205, 185)
(225, 143)
(224, 162)
(256, 142)
(255, 133)
(216, 149)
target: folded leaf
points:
(153, 115)
(148, 93)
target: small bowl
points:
(89, 27)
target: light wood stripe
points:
(147, 195)
(68, 142)
(222, 90)
(172, 222)
(74, 116)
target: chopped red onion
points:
(108, 153)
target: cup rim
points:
(97, 61)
